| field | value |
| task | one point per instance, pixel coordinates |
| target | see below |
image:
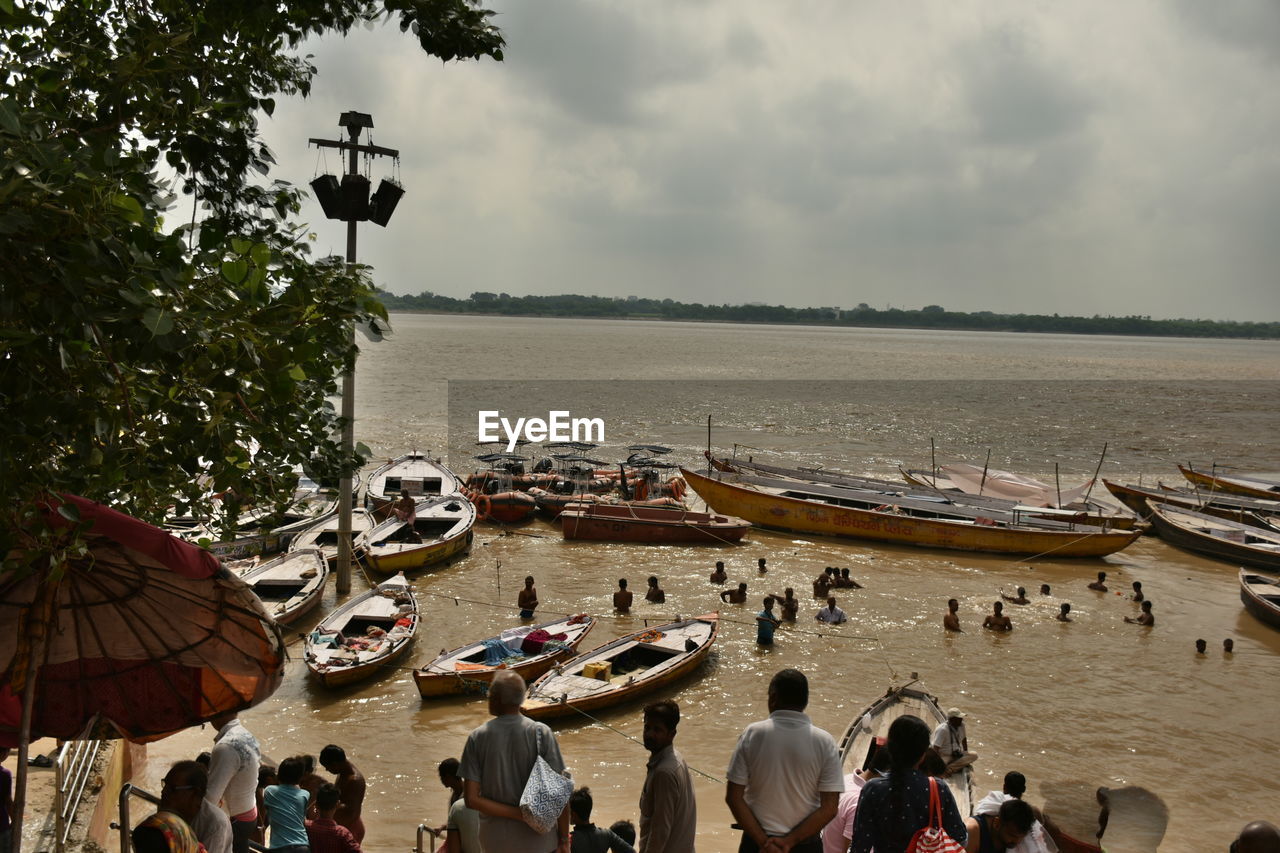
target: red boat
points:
(630, 522)
(504, 507)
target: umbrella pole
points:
(39, 628)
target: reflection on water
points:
(1076, 706)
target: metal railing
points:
(71, 772)
(125, 824)
(423, 829)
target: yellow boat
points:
(1248, 486)
(440, 532)
(884, 518)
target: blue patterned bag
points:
(545, 796)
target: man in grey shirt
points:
(496, 763)
(668, 812)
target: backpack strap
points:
(935, 804)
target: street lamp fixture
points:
(348, 200)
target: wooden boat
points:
(633, 522)
(250, 537)
(416, 473)
(464, 670)
(834, 511)
(1222, 538)
(509, 507)
(869, 729)
(441, 531)
(1261, 597)
(1247, 486)
(323, 534)
(291, 584)
(625, 669)
(1252, 511)
(341, 651)
(1090, 512)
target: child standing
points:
(286, 805)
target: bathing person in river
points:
(821, 585)
(952, 620)
(655, 593)
(997, 621)
(622, 597)
(1144, 618)
(1100, 585)
(1020, 598)
(719, 575)
(831, 614)
(788, 604)
(735, 596)
(528, 600)
(1064, 612)
(1137, 592)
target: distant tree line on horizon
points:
(929, 317)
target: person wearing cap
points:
(950, 742)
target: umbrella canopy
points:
(146, 633)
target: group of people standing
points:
(228, 797)
(785, 786)
(500, 755)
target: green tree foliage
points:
(929, 317)
(145, 362)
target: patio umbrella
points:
(144, 633)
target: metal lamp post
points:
(349, 201)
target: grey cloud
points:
(598, 63)
(1253, 25)
(1015, 98)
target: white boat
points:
(323, 534)
(343, 649)
(625, 669)
(289, 585)
(415, 473)
(872, 727)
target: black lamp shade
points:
(329, 195)
(384, 202)
(355, 198)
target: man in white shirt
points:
(233, 777)
(951, 743)
(784, 776)
(831, 614)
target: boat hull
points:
(1261, 597)
(389, 562)
(801, 516)
(1231, 485)
(434, 684)
(379, 606)
(542, 709)
(290, 571)
(650, 525)
(873, 723)
(1190, 538)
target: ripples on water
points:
(1074, 706)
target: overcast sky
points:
(1017, 156)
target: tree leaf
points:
(131, 206)
(157, 321)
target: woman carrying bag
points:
(893, 810)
